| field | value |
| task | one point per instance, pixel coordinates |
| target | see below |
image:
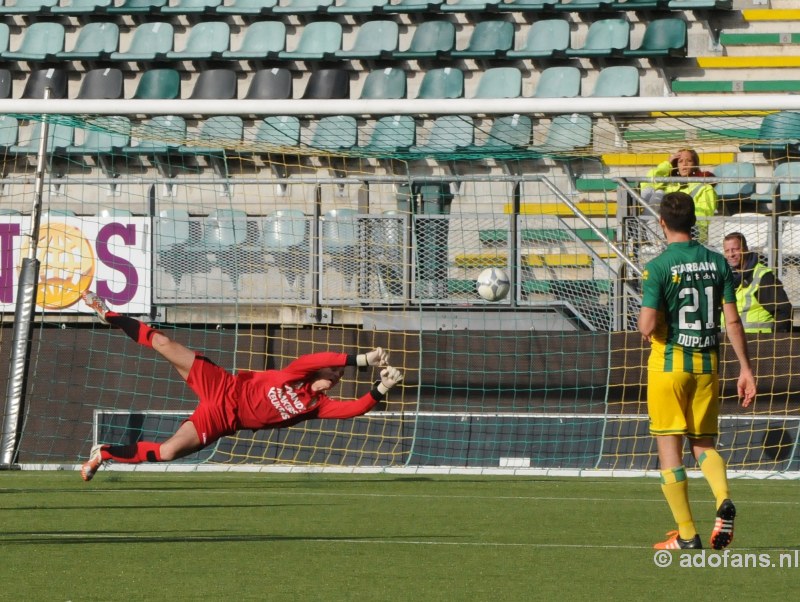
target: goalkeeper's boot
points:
(674, 542)
(93, 464)
(722, 535)
(96, 303)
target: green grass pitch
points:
(373, 537)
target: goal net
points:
(258, 232)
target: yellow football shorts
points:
(682, 403)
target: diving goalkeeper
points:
(247, 400)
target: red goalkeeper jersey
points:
(278, 398)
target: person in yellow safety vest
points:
(760, 297)
(685, 163)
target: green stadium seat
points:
(42, 41)
(374, 40)
(318, 41)
(444, 82)
(358, 7)
(217, 138)
(778, 135)
(159, 84)
(387, 83)
(215, 84)
(662, 38)
(468, 6)
(489, 40)
(617, 81)
(174, 241)
(334, 133)
(102, 83)
(9, 130)
(448, 134)
(59, 137)
(103, 140)
(225, 232)
(150, 41)
(137, 7)
(558, 82)
(392, 134)
(733, 194)
(206, 41)
(507, 133)
(782, 193)
(413, 6)
(499, 82)
(578, 6)
(82, 7)
(605, 38)
(271, 84)
(158, 139)
(566, 134)
(261, 40)
(277, 131)
(339, 242)
(430, 40)
(5, 37)
(328, 83)
(284, 236)
(28, 7)
(545, 37)
(96, 41)
(247, 7)
(191, 7)
(527, 6)
(300, 7)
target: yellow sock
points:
(676, 490)
(713, 467)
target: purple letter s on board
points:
(7, 234)
(131, 277)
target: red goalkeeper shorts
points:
(215, 387)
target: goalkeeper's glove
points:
(376, 357)
(389, 378)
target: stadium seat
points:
(526, 6)
(782, 195)
(391, 134)
(299, 7)
(206, 41)
(444, 82)
(339, 243)
(270, 84)
(662, 38)
(605, 38)
(374, 40)
(9, 130)
(507, 133)
(191, 7)
(137, 7)
(261, 40)
(328, 83)
(413, 6)
(358, 7)
(217, 84)
(158, 139)
(778, 136)
(448, 134)
(278, 131)
(468, 6)
(6, 80)
(616, 81)
(558, 82)
(247, 7)
(59, 137)
(318, 41)
(578, 6)
(149, 42)
(566, 134)
(499, 82)
(285, 237)
(159, 84)
(103, 83)
(82, 7)
(41, 79)
(174, 243)
(430, 40)
(5, 37)
(102, 140)
(217, 138)
(95, 41)
(42, 41)
(489, 39)
(384, 83)
(544, 39)
(732, 195)
(334, 133)
(225, 231)
(28, 7)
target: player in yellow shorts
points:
(685, 290)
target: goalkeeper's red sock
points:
(136, 330)
(144, 451)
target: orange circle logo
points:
(67, 265)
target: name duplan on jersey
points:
(695, 271)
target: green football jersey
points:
(687, 284)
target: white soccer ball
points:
(493, 284)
